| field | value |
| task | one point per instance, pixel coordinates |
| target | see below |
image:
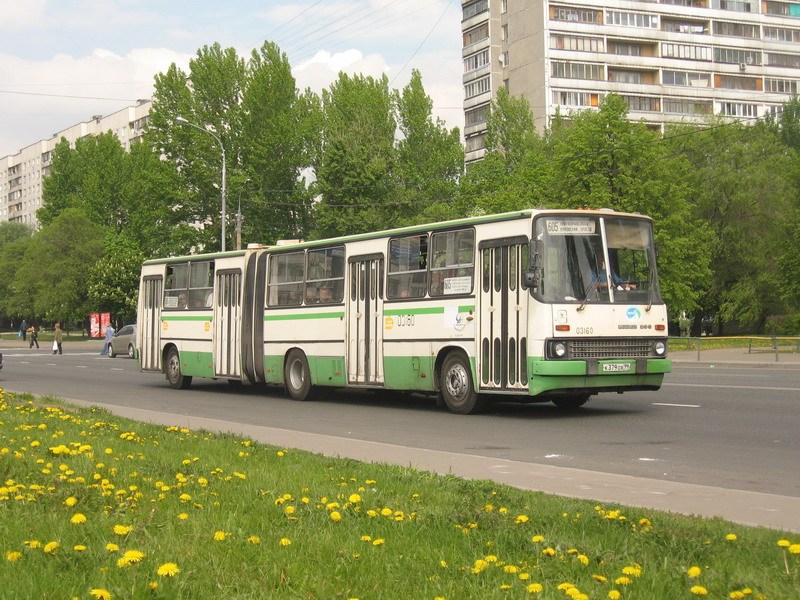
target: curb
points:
(728, 364)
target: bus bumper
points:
(597, 375)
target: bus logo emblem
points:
(633, 314)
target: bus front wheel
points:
(571, 402)
(176, 378)
(456, 386)
(297, 376)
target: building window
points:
(741, 30)
(631, 19)
(687, 78)
(738, 109)
(734, 5)
(734, 82)
(787, 9)
(476, 116)
(684, 27)
(625, 49)
(476, 142)
(504, 32)
(779, 34)
(476, 61)
(578, 15)
(783, 60)
(564, 98)
(576, 70)
(685, 51)
(734, 56)
(578, 43)
(477, 87)
(474, 8)
(643, 103)
(476, 34)
(780, 86)
(687, 106)
(626, 77)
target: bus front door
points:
(502, 357)
(227, 324)
(150, 326)
(364, 321)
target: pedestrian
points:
(57, 339)
(109, 335)
(23, 330)
(34, 337)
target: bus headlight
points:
(560, 349)
(660, 348)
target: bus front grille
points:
(611, 348)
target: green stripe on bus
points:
(433, 310)
(295, 316)
(163, 318)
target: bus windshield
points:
(596, 260)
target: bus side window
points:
(286, 274)
(408, 261)
(176, 286)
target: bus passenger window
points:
(452, 262)
(408, 259)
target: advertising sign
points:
(94, 325)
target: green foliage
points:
(113, 283)
(55, 266)
(249, 520)
(11, 231)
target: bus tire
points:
(571, 402)
(175, 377)
(457, 389)
(297, 376)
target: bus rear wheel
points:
(297, 376)
(175, 377)
(571, 402)
(456, 386)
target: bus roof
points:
(493, 218)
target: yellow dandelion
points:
(583, 559)
(78, 518)
(524, 576)
(289, 510)
(112, 547)
(122, 529)
(565, 586)
(510, 569)
(12, 556)
(794, 549)
(443, 564)
(699, 590)
(521, 519)
(71, 501)
(600, 578)
(336, 516)
(100, 594)
(784, 543)
(153, 586)
(134, 556)
(731, 537)
(534, 588)
(537, 538)
(549, 552)
(736, 595)
(79, 548)
(623, 581)
(183, 516)
(168, 570)
(694, 572)
(377, 542)
(634, 570)
(354, 498)
(614, 595)
(254, 539)
(505, 586)
(51, 547)
(33, 544)
(220, 536)
(285, 542)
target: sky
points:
(63, 61)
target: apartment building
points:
(671, 60)
(21, 174)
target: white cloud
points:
(18, 14)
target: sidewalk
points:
(68, 344)
(736, 358)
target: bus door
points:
(502, 359)
(150, 327)
(227, 323)
(365, 321)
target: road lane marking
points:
(733, 387)
(679, 405)
(81, 366)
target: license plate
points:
(616, 367)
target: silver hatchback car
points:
(123, 342)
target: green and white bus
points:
(528, 306)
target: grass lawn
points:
(95, 506)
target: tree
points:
(11, 231)
(113, 281)
(253, 108)
(357, 158)
(430, 158)
(56, 265)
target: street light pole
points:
(224, 182)
(239, 216)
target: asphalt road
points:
(737, 429)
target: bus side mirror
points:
(533, 275)
(532, 278)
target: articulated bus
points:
(528, 306)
